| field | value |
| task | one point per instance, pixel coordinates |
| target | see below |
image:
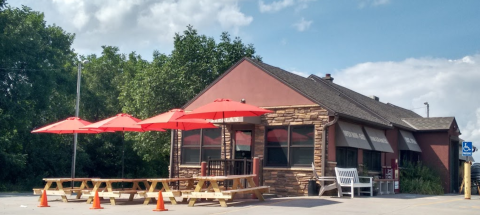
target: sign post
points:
(467, 150)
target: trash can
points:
(312, 187)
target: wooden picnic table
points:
(60, 190)
(167, 190)
(109, 192)
(223, 195)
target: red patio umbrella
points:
(121, 122)
(225, 108)
(71, 125)
(169, 120)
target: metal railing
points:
(222, 167)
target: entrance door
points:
(243, 144)
(454, 153)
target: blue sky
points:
(404, 51)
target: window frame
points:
(200, 146)
(369, 158)
(410, 155)
(288, 146)
(345, 150)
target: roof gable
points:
(247, 81)
(432, 123)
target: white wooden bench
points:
(348, 177)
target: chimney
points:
(328, 77)
(375, 98)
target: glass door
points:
(243, 144)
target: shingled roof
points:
(325, 96)
(432, 123)
(335, 99)
(387, 111)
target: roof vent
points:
(375, 98)
(328, 77)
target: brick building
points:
(314, 120)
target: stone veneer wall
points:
(291, 181)
(282, 181)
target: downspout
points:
(325, 127)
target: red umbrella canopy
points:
(70, 125)
(169, 120)
(120, 122)
(225, 108)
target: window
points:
(289, 145)
(410, 156)
(201, 143)
(372, 160)
(347, 157)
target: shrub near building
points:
(420, 179)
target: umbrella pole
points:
(177, 157)
(73, 161)
(224, 145)
(123, 154)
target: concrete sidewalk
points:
(387, 204)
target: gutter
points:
(324, 129)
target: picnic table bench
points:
(59, 190)
(223, 195)
(167, 190)
(109, 192)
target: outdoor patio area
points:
(389, 204)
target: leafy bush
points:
(419, 179)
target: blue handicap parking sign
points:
(467, 148)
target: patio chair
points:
(324, 187)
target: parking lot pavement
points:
(389, 204)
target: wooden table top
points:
(228, 177)
(168, 179)
(68, 179)
(118, 180)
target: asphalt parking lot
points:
(26, 203)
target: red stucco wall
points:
(435, 146)
(392, 137)
(331, 144)
(258, 88)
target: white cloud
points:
(374, 3)
(275, 6)
(280, 5)
(303, 24)
(138, 25)
(73, 10)
(449, 86)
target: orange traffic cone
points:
(160, 205)
(43, 200)
(96, 201)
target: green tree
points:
(36, 69)
(171, 81)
